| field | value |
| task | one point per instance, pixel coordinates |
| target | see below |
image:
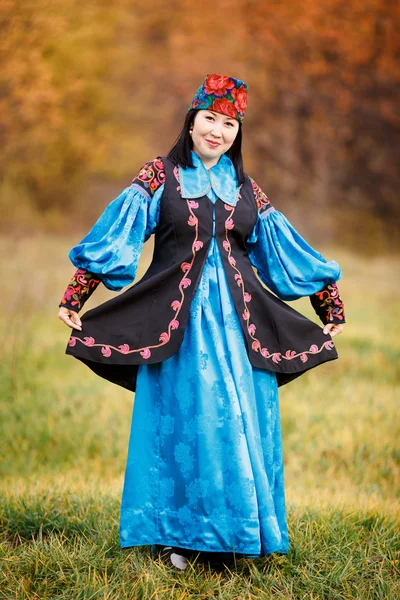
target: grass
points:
(64, 436)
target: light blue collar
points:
(222, 178)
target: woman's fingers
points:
(76, 320)
(70, 318)
(333, 329)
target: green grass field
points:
(64, 437)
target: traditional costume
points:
(204, 344)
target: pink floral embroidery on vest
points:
(256, 345)
(176, 305)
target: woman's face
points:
(213, 134)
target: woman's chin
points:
(212, 152)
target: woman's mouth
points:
(212, 144)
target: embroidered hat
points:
(222, 94)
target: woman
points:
(200, 339)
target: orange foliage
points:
(91, 90)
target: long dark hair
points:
(180, 153)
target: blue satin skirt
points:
(205, 466)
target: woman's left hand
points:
(333, 329)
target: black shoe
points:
(219, 560)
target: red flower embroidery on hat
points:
(218, 84)
(222, 94)
(240, 98)
(222, 105)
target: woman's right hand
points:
(70, 318)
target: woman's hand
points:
(333, 329)
(70, 318)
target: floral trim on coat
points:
(79, 290)
(185, 281)
(328, 304)
(256, 345)
(176, 305)
(83, 283)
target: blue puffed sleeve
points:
(113, 246)
(285, 262)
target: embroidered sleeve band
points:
(328, 304)
(79, 290)
(263, 203)
(150, 177)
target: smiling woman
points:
(200, 339)
(212, 135)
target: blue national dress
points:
(205, 467)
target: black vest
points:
(146, 323)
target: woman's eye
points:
(208, 117)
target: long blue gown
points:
(204, 469)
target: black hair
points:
(180, 153)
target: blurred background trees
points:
(91, 90)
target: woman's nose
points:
(216, 131)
